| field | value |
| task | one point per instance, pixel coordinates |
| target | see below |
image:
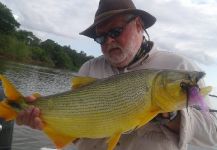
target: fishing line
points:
(211, 95)
(185, 87)
(210, 110)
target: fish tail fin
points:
(6, 112)
(13, 97)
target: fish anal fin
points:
(78, 81)
(59, 140)
(6, 112)
(112, 141)
(10, 91)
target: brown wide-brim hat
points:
(110, 8)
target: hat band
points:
(109, 13)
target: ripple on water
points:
(30, 79)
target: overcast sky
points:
(186, 26)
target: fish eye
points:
(184, 85)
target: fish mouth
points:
(192, 79)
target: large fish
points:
(98, 108)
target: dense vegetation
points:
(24, 46)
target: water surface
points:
(31, 79)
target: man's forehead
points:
(114, 21)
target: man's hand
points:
(30, 116)
(173, 125)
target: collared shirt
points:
(195, 128)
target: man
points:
(119, 27)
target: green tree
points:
(24, 46)
(28, 37)
(8, 24)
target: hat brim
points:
(147, 19)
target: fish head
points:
(170, 89)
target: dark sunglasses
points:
(113, 33)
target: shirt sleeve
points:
(198, 128)
(85, 69)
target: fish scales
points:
(103, 96)
(113, 100)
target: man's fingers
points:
(38, 124)
(165, 115)
(35, 112)
(30, 116)
(37, 121)
(30, 98)
(27, 115)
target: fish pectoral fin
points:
(149, 115)
(11, 92)
(59, 140)
(78, 81)
(6, 112)
(112, 141)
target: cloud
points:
(188, 26)
(64, 18)
(199, 56)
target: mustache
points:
(112, 46)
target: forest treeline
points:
(23, 46)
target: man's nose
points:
(109, 40)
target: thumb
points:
(30, 99)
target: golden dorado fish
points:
(98, 108)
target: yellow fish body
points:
(105, 107)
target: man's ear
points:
(139, 24)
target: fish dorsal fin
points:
(37, 95)
(59, 140)
(10, 91)
(79, 81)
(6, 112)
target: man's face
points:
(121, 50)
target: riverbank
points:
(13, 59)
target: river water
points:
(30, 79)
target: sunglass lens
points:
(115, 32)
(112, 33)
(100, 39)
